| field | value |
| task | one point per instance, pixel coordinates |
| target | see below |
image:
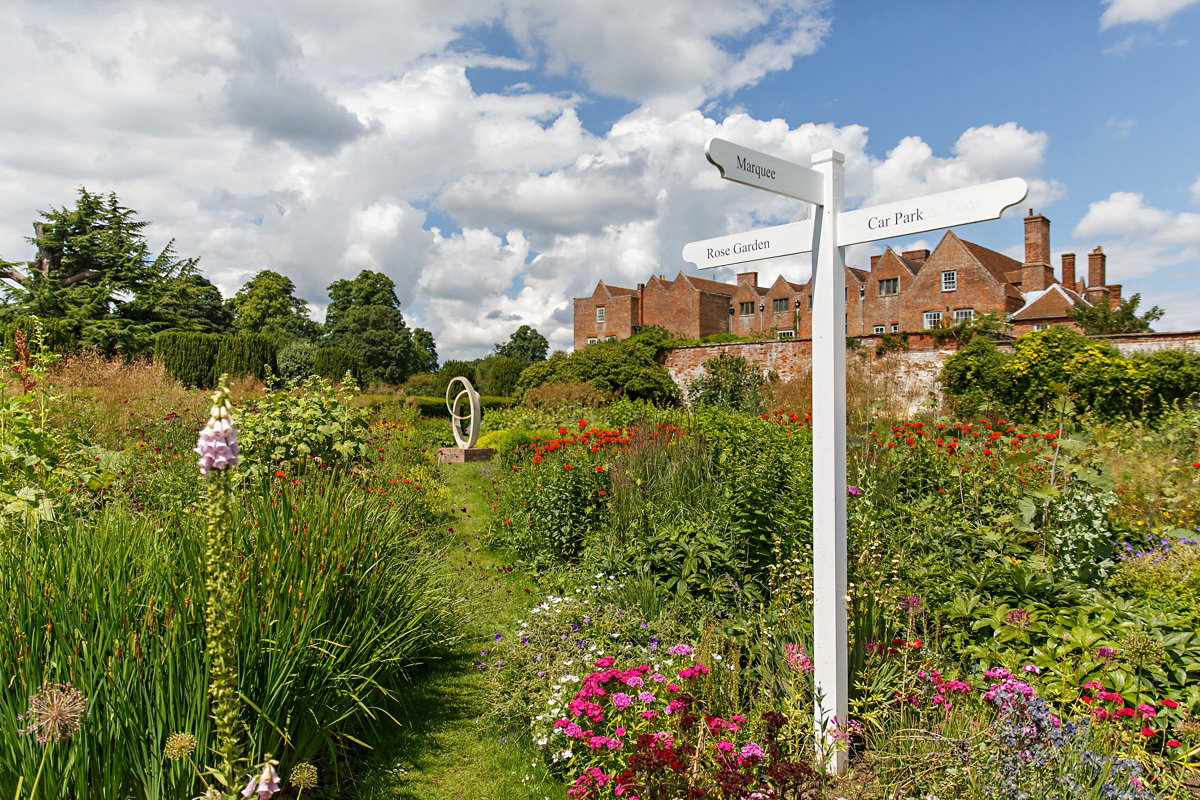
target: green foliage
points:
(300, 425)
(331, 363)
(503, 376)
(297, 360)
(198, 359)
(421, 384)
(56, 335)
(425, 351)
(728, 382)
(626, 367)
(364, 317)
(336, 603)
(455, 369)
(435, 407)
(1102, 318)
(94, 271)
(525, 344)
(267, 304)
(1046, 364)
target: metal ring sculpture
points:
(457, 419)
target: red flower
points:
(568, 467)
(562, 431)
(603, 493)
(1086, 699)
(599, 468)
(1172, 743)
(1170, 703)
(915, 644)
(582, 423)
(1147, 732)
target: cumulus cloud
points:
(321, 139)
(1158, 12)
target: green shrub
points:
(454, 369)
(332, 364)
(57, 334)
(423, 384)
(298, 425)
(728, 382)
(502, 379)
(435, 407)
(296, 360)
(510, 440)
(624, 367)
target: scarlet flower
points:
(1147, 732)
(280, 473)
(1172, 743)
(1170, 703)
(603, 493)
(599, 468)
(562, 431)
(568, 467)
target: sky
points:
(496, 158)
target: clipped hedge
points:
(436, 406)
(332, 364)
(199, 359)
(57, 333)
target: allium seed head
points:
(304, 776)
(179, 745)
(55, 713)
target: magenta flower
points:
(853, 491)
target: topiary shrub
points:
(188, 357)
(455, 369)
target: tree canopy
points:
(525, 344)
(364, 317)
(267, 303)
(95, 271)
(1102, 318)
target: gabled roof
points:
(909, 264)
(705, 285)
(1049, 303)
(860, 275)
(612, 291)
(998, 264)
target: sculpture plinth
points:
(464, 455)
(466, 450)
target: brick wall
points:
(1130, 343)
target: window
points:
(600, 315)
(610, 338)
(895, 327)
(746, 309)
(779, 305)
(889, 286)
(963, 315)
(950, 280)
(877, 329)
(592, 340)
(1041, 326)
(786, 334)
(931, 319)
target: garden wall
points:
(913, 371)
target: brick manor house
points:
(908, 291)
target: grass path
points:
(441, 751)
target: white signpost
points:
(827, 235)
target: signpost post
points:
(827, 235)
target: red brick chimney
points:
(748, 277)
(916, 255)
(1036, 272)
(1037, 239)
(1097, 270)
(1068, 271)
(874, 261)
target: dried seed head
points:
(179, 745)
(304, 776)
(55, 713)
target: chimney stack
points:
(1068, 271)
(1036, 272)
(1097, 269)
(920, 256)
(748, 277)
(1037, 240)
(874, 261)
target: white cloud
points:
(1196, 190)
(488, 210)
(1159, 12)
(1121, 126)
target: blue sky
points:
(497, 157)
